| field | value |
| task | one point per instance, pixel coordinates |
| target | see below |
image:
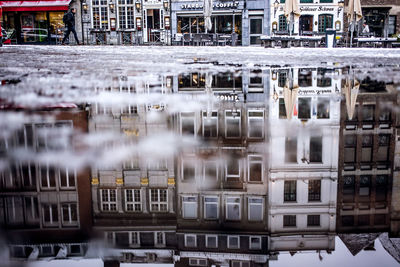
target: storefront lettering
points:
(234, 98)
(216, 5)
(318, 92)
(314, 9)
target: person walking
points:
(69, 21)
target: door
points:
(306, 25)
(256, 29)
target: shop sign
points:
(314, 92)
(228, 97)
(316, 9)
(217, 5)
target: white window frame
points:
(11, 204)
(216, 241)
(69, 221)
(108, 202)
(211, 119)
(250, 244)
(48, 186)
(34, 210)
(211, 203)
(239, 118)
(195, 240)
(259, 159)
(158, 202)
(125, 6)
(51, 207)
(188, 115)
(205, 168)
(131, 235)
(249, 118)
(100, 6)
(67, 174)
(159, 234)
(187, 200)
(228, 203)
(255, 204)
(229, 241)
(133, 202)
(233, 176)
(191, 162)
(197, 262)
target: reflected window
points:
(211, 208)
(385, 115)
(323, 80)
(233, 242)
(348, 187)
(368, 112)
(233, 124)
(133, 200)
(316, 149)
(383, 149)
(304, 108)
(363, 220)
(282, 109)
(380, 219)
(211, 241)
(289, 191)
(305, 78)
(381, 187)
(255, 209)
(367, 147)
(189, 207)
(159, 239)
(255, 242)
(289, 220)
(350, 143)
(31, 210)
(48, 177)
(122, 239)
(69, 214)
(158, 200)
(255, 168)
(233, 168)
(210, 124)
(291, 150)
(188, 123)
(323, 108)
(108, 199)
(197, 262)
(210, 171)
(233, 208)
(365, 184)
(240, 263)
(50, 215)
(134, 238)
(256, 81)
(14, 210)
(314, 190)
(188, 170)
(67, 178)
(190, 241)
(313, 220)
(255, 123)
(282, 78)
(28, 173)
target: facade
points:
(315, 17)
(45, 209)
(38, 22)
(366, 150)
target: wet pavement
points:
(210, 156)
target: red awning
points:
(42, 5)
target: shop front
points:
(226, 19)
(34, 22)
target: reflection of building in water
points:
(395, 206)
(304, 120)
(134, 201)
(222, 184)
(43, 205)
(366, 157)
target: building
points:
(38, 22)
(315, 17)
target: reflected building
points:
(367, 144)
(222, 183)
(304, 127)
(44, 208)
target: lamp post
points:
(165, 4)
(137, 5)
(341, 6)
(276, 5)
(111, 5)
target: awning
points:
(42, 5)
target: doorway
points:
(306, 24)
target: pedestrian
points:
(69, 21)
(365, 29)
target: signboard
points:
(217, 5)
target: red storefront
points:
(34, 22)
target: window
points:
(381, 187)
(255, 123)
(325, 21)
(188, 123)
(210, 171)
(243, 263)
(305, 78)
(133, 200)
(233, 208)
(363, 220)
(322, 79)
(14, 210)
(256, 81)
(392, 25)
(189, 207)
(255, 242)
(304, 108)
(365, 183)
(31, 210)
(108, 199)
(282, 76)
(48, 177)
(67, 178)
(368, 112)
(256, 25)
(126, 14)
(28, 173)
(383, 149)
(283, 25)
(50, 214)
(122, 238)
(282, 109)
(323, 108)
(289, 191)
(100, 14)
(255, 168)
(350, 143)
(198, 262)
(188, 170)
(314, 190)
(255, 209)
(291, 150)
(158, 200)
(289, 220)
(211, 241)
(316, 149)
(313, 220)
(190, 241)
(233, 242)
(211, 208)
(233, 124)
(307, 1)
(348, 187)
(69, 214)
(366, 151)
(159, 239)
(210, 124)
(233, 168)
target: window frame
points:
(211, 203)
(133, 202)
(229, 245)
(255, 204)
(191, 204)
(186, 236)
(227, 204)
(158, 202)
(108, 202)
(207, 242)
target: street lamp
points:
(85, 7)
(276, 5)
(112, 6)
(137, 5)
(275, 95)
(341, 6)
(165, 3)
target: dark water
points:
(200, 163)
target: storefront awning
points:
(42, 5)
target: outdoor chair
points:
(186, 39)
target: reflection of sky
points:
(341, 257)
